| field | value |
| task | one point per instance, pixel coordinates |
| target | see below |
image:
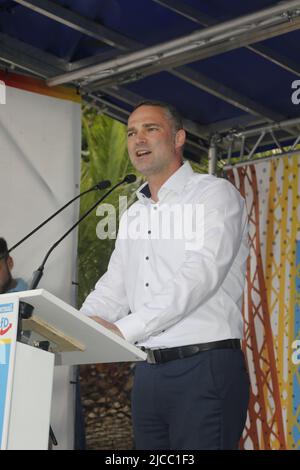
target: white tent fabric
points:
(40, 142)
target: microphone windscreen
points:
(130, 178)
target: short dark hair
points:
(171, 112)
(3, 249)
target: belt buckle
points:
(152, 356)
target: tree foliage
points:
(104, 156)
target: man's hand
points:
(110, 326)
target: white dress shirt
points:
(164, 293)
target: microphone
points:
(129, 178)
(101, 185)
(37, 275)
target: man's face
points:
(153, 145)
(5, 274)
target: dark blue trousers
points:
(195, 403)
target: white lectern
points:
(74, 339)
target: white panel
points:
(40, 140)
(31, 399)
(40, 144)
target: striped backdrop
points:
(272, 301)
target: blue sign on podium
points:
(8, 338)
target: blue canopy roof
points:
(242, 81)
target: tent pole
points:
(212, 155)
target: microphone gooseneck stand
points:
(102, 185)
(26, 310)
(37, 275)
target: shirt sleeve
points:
(109, 299)
(203, 270)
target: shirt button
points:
(155, 208)
(147, 257)
(147, 284)
(149, 231)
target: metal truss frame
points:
(213, 38)
(195, 15)
(200, 44)
(242, 146)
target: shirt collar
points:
(175, 183)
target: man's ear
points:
(180, 138)
(10, 263)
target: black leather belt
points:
(156, 356)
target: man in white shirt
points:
(174, 287)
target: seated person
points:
(7, 283)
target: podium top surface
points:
(100, 344)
